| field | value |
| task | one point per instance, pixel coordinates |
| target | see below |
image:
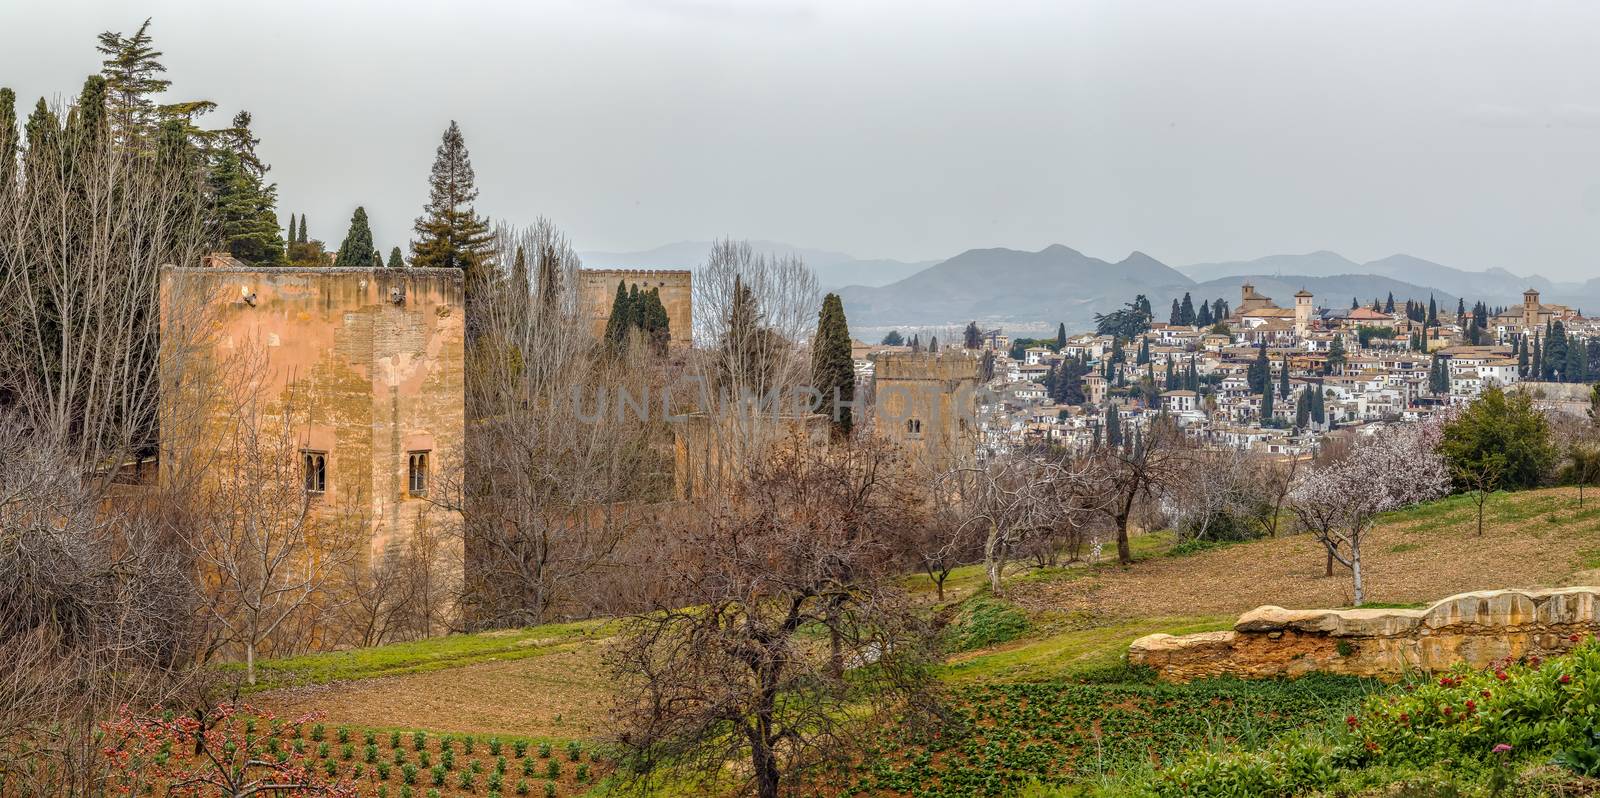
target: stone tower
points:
(1302, 312)
(1530, 309)
(927, 402)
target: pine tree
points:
(450, 234)
(894, 339)
(357, 251)
(395, 260)
(1186, 310)
(133, 75)
(833, 371)
(242, 211)
(1336, 356)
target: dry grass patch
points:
(1531, 539)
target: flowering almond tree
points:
(1396, 467)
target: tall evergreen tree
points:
(1266, 403)
(1283, 377)
(833, 371)
(621, 319)
(973, 338)
(1186, 310)
(1555, 353)
(1203, 316)
(894, 338)
(8, 142)
(1143, 356)
(1336, 356)
(1522, 356)
(1260, 372)
(133, 75)
(242, 213)
(1461, 311)
(933, 343)
(1167, 384)
(1191, 379)
(357, 252)
(1319, 413)
(1113, 426)
(1388, 304)
(450, 234)
(1433, 312)
(1061, 335)
(1354, 304)
(1537, 367)
(1302, 409)
(1177, 315)
(302, 239)
(395, 259)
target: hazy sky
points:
(1463, 132)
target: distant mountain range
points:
(1025, 291)
(834, 269)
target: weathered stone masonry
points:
(1472, 628)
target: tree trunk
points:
(991, 557)
(1482, 499)
(1124, 551)
(1355, 570)
(250, 662)
(1329, 570)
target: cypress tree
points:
(1388, 304)
(1203, 316)
(1192, 377)
(550, 282)
(1319, 413)
(1522, 356)
(1302, 409)
(395, 260)
(1538, 359)
(1266, 403)
(832, 368)
(1186, 310)
(289, 238)
(916, 342)
(1061, 336)
(1113, 426)
(1168, 382)
(1144, 352)
(1177, 314)
(657, 325)
(1260, 372)
(973, 338)
(8, 143)
(1283, 377)
(933, 344)
(1433, 312)
(1354, 304)
(1577, 365)
(357, 251)
(620, 320)
(1461, 310)
(302, 239)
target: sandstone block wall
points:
(597, 289)
(368, 364)
(1474, 628)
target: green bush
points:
(317, 733)
(549, 789)
(985, 622)
(522, 787)
(344, 734)
(552, 769)
(520, 748)
(438, 772)
(466, 780)
(418, 740)
(408, 773)
(574, 750)
(494, 746)
(394, 740)
(1481, 723)
(544, 750)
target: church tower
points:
(1302, 313)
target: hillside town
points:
(1262, 377)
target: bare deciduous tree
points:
(559, 457)
(803, 549)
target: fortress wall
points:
(1473, 628)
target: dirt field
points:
(559, 695)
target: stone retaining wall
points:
(1475, 628)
